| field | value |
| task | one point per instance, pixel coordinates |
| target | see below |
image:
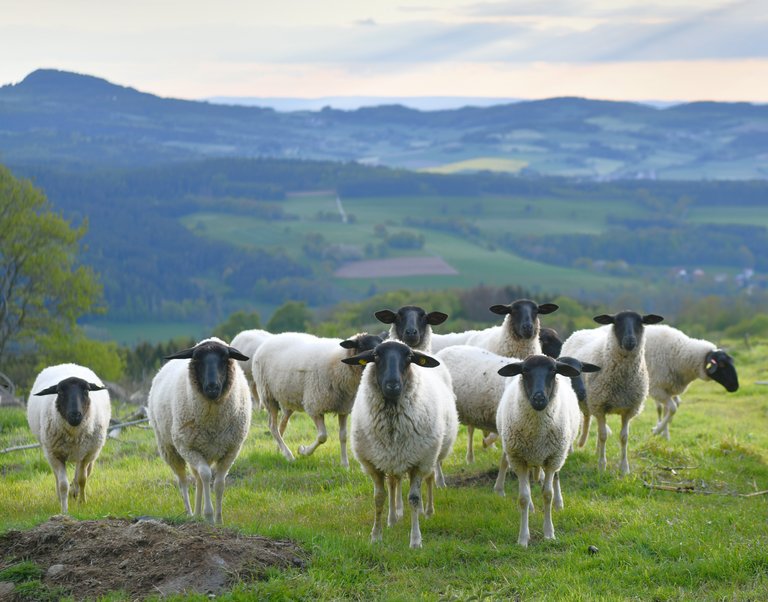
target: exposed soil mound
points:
(87, 559)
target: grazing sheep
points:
(68, 412)
(248, 341)
(299, 372)
(477, 385)
(675, 360)
(403, 422)
(538, 421)
(200, 410)
(621, 386)
(412, 325)
(518, 335)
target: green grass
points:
(653, 544)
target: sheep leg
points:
(523, 502)
(585, 420)
(438, 474)
(414, 499)
(78, 482)
(219, 479)
(198, 491)
(662, 428)
(502, 476)
(602, 437)
(322, 436)
(343, 439)
(284, 422)
(179, 467)
(470, 448)
(378, 502)
(558, 499)
(204, 476)
(489, 438)
(273, 409)
(624, 437)
(395, 500)
(430, 507)
(547, 491)
(59, 469)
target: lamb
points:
(538, 421)
(403, 421)
(200, 410)
(299, 372)
(674, 360)
(518, 335)
(622, 385)
(68, 412)
(248, 341)
(412, 325)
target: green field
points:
(652, 544)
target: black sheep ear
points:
(385, 315)
(424, 360)
(604, 319)
(436, 317)
(499, 309)
(184, 354)
(349, 344)
(585, 367)
(95, 387)
(548, 308)
(511, 369)
(652, 319)
(237, 355)
(566, 369)
(361, 359)
(52, 390)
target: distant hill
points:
(78, 122)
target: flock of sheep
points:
(406, 389)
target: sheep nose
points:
(211, 389)
(527, 330)
(75, 418)
(392, 388)
(411, 332)
(629, 343)
(539, 400)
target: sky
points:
(663, 50)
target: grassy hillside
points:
(652, 543)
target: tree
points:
(291, 316)
(42, 289)
(237, 322)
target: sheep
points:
(550, 341)
(675, 360)
(477, 386)
(412, 325)
(200, 410)
(68, 412)
(299, 372)
(403, 421)
(538, 421)
(518, 335)
(622, 385)
(248, 341)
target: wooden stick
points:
(684, 488)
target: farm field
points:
(651, 543)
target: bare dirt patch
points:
(88, 559)
(397, 266)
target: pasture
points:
(707, 541)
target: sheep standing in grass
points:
(675, 360)
(518, 334)
(621, 386)
(411, 325)
(299, 372)
(477, 385)
(68, 412)
(538, 421)
(200, 410)
(403, 422)
(247, 342)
